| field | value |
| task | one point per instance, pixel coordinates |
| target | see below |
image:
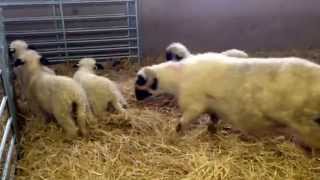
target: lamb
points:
(256, 95)
(59, 96)
(100, 90)
(177, 51)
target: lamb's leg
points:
(189, 115)
(65, 120)
(119, 108)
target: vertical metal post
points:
(138, 35)
(129, 25)
(63, 28)
(6, 73)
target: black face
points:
(18, 62)
(11, 52)
(99, 66)
(44, 61)
(172, 57)
(142, 94)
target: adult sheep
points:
(59, 96)
(256, 95)
(101, 91)
(177, 51)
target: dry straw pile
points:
(145, 147)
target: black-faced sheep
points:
(255, 95)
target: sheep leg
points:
(188, 116)
(67, 124)
(119, 108)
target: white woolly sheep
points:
(101, 91)
(16, 49)
(59, 96)
(256, 95)
(177, 51)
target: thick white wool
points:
(57, 95)
(101, 91)
(182, 51)
(254, 94)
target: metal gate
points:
(65, 30)
(8, 146)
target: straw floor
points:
(145, 147)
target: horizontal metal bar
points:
(4, 4)
(3, 105)
(94, 56)
(67, 18)
(83, 41)
(85, 49)
(5, 137)
(62, 60)
(69, 30)
(7, 168)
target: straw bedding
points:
(145, 147)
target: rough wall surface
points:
(205, 25)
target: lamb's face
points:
(146, 84)
(29, 58)
(176, 52)
(89, 63)
(16, 48)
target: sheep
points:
(16, 49)
(177, 51)
(256, 95)
(59, 96)
(100, 90)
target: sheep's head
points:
(146, 84)
(89, 64)
(29, 58)
(17, 47)
(176, 52)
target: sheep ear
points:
(99, 66)
(44, 61)
(32, 47)
(18, 62)
(75, 65)
(178, 58)
(11, 52)
(154, 85)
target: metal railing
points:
(66, 30)
(8, 145)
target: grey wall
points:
(205, 25)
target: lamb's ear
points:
(32, 47)
(18, 62)
(99, 66)
(44, 61)
(75, 65)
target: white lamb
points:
(177, 51)
(16, 49)
(101, 91)
(59, 96)
(256, 95)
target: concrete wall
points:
(205, 25)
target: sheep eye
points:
(169, 56)
(178, 58)
(154, 85)
(141, 80)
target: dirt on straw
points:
(146, 147)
